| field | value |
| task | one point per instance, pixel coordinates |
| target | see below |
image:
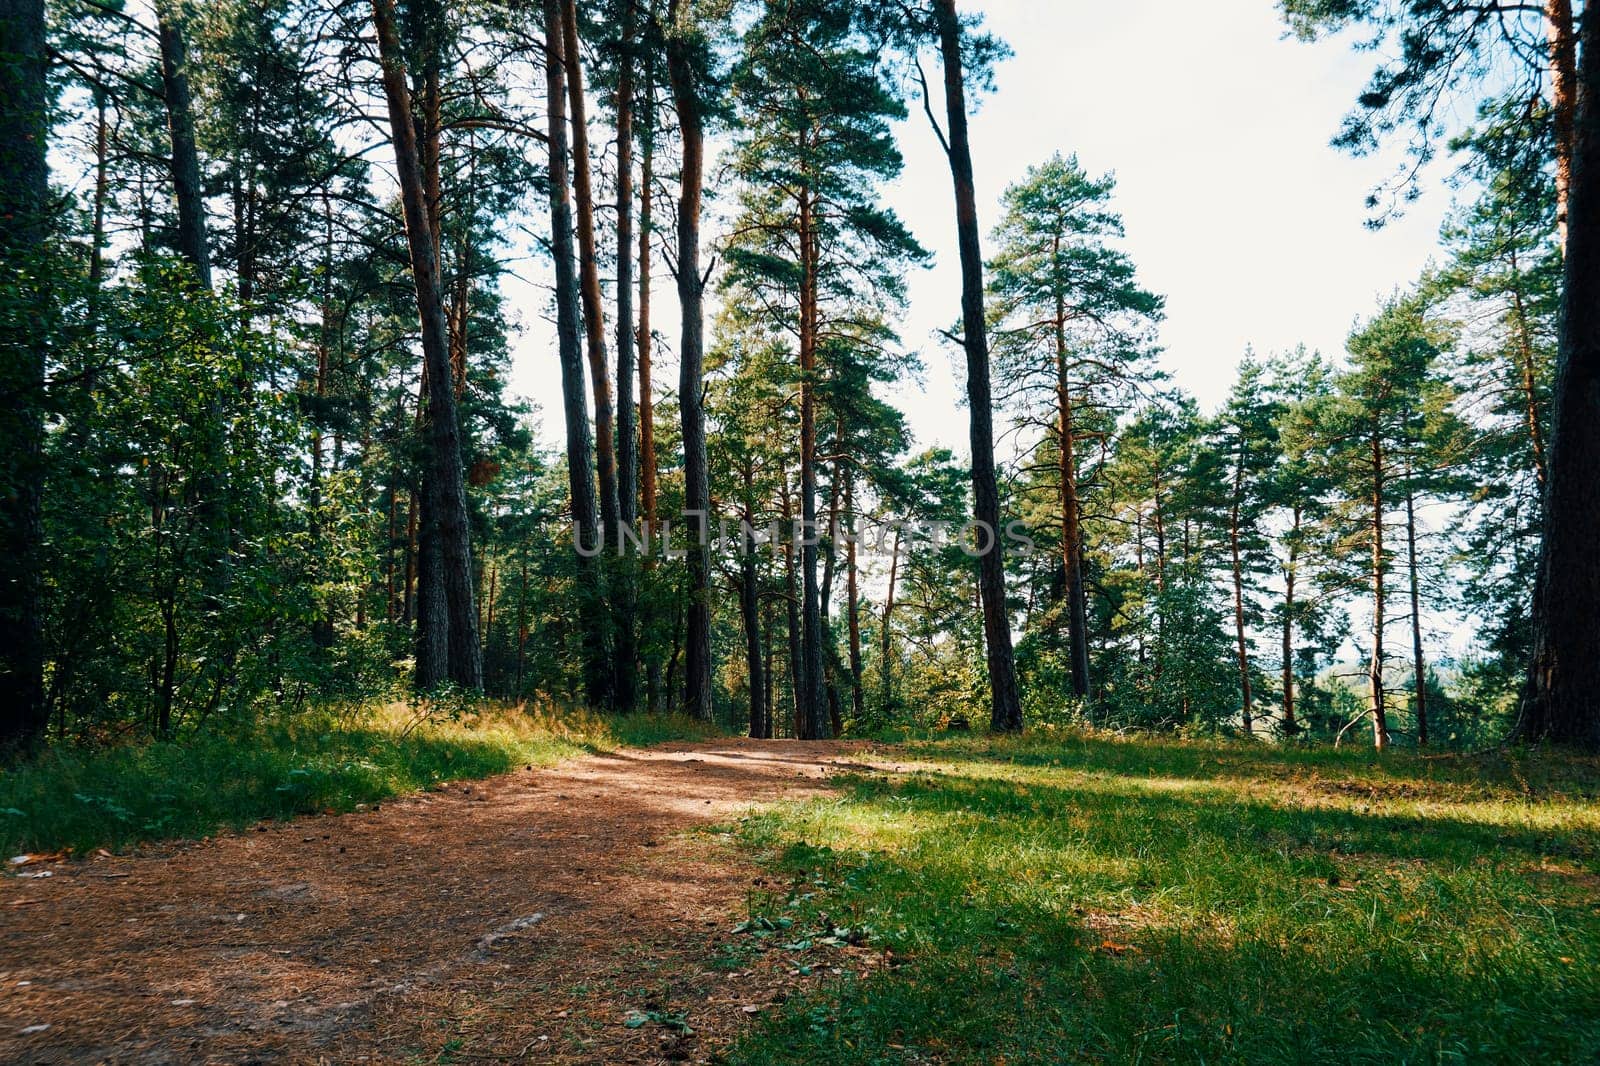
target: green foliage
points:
(1072, 898)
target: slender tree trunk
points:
(627, 439)
(185, 160)
(647, 416)
(1380, 712)
(812, 692)
(445, 485)
(1562, 702)
(102, 188)
(1418, 663)
(1528, 380)
(522, 624)
(598, 674)
(1071, 536)
(589, 274)
(1564, 94)
(24, 337)
(797, 669)
(1005, 707)
(647, 405)
(766, 674)
(408, 611)
(853, 606)
(750, 605)
(691, 355)
(885, 644)
(1238, 593)
(1290, 727)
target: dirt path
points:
(521, 917)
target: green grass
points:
(1082, 899)
(319, 762)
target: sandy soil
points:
(515, 919)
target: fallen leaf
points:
(31, 859)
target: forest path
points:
(520, 917)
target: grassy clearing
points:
(1080, 899)
(318, 762)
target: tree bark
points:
(1562, 701)
(445, 505)
(691, 357)
(598, 674)
(1005, 707)
(24, 333)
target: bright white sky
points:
(1217, 129)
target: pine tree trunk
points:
(1238, 594)
(647, 410)
(1290, 727)
(589, 274)
(185, 160)
(853, 605)
(598, 674)
(750, 606)
(791, 597)
(647, 404)
(627, 440)
(1380, 713)
(1005, 707)
(102, 190)
(1528, 378)
(766, 674)
(691, 357)
(1418, 663)
(1071, 535)
(885, 645)
(445, 498)
(1563, 41)
(1562, 703)
(24, 337)
(812, 690)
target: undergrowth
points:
(318, 761)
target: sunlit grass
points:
(1076, 898)
(319, 761)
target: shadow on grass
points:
(1122, 916)
(1394, 774)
